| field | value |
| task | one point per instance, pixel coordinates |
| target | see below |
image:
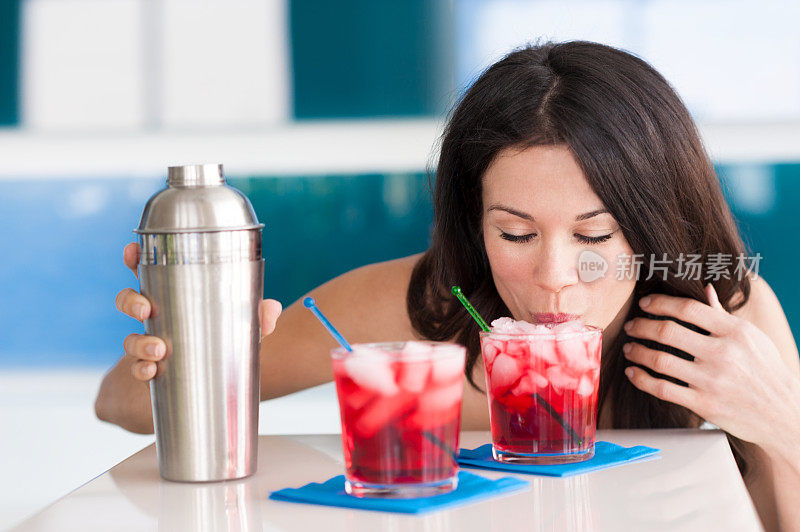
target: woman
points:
(556, 150)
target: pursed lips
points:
(553, 317)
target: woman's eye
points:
(517, 238)
(581, 238)
(592, 239)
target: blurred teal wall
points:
(63, 237)
(64, 241)
(63, 265)
(367, 58)
(319, 227)
(9, 62)
(353, 59)
(764, 199)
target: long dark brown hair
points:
(642, 155)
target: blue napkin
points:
(470, 488)
(606, 454)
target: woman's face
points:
(539, 215)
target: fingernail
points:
(644, 301)
(629, 372)
(138, 310)
(150, 349)
(628, 325)
(626, 348)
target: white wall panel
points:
(489, 29)
(81, 64)
(730, 60)
(224, 63)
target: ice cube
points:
(594, 346)
(503, 325)
(544, 348)
(441, 397)
(414, 349)
(371, 369)
(537, 378)
(586, 385)
(560, 380)
(490, 350)
(412, 375)
(366, 350)
(593, 351)
(530, 383)
(382, 411)
(572, 354)
(510, 326)
(525, 386)
(525, 327)
(518, 349)
(568, 326)
(448, 363)
(505, 371)
(357, 398)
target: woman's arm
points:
(745, 379)
(774, 484)
(367, 304)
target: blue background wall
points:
(64, 240)
(364, 58)
(59, 282)
(9, 62)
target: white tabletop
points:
(694, 485)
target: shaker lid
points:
(197, 199)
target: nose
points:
(556, 268)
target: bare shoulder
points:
(370, 301)
(765, 312)
(388, 275)
(367, 304)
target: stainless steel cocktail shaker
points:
(202, 270)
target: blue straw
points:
(309, 304)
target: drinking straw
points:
(312, 306)
(456, 290)
(544, 404)
(449, 451)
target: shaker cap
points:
(196, 200)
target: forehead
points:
(538, 178)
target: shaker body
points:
(206, 391)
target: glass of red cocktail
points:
(541, 383)
(400, 406)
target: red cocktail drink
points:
(400, 406)
(542, 384)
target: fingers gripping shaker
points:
(202, 270)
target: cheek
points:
(609, 293)
(508, 265)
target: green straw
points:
(456, 290)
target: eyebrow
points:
(526, 216)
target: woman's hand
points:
(737, 381)
(124, 396)
(143, 350)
